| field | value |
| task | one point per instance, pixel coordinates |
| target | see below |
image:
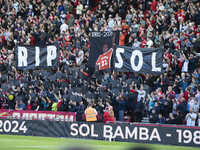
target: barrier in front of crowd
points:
(37, 115)
(46, 115)
(139, 133)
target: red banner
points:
(37, 115)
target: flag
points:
(104, 60)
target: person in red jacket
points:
(108, 114)
(122, 38)
(153, 6)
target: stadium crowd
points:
(174, 25)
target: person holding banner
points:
(122, 38)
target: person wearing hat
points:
(11, 102)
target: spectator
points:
(11, 101)
(179, 118)
(35, 104)
(157, 107)
(63, 27)
(166, 110)
(70, 21)
(131, 103)
(141, 93)
(20, 105)
(108, 115)
(197, 96)
(191, 118)
(160, 119)
(121, 102)
(79, 9)
(182, 107)
(81, 107)
(122, 38)
(136, 44)
(149, 43)
(152, 100)
(199, 119)
(195, 106)
(170, 119)
(164, 82)
(139, 110)
(153, 116)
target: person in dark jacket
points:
(121, 102)
(115, 105)
(139, 109)
(164, 82)
(160, 119)
(170, 103)
(81, 107)
(131, 104)
(157, 107)
(153, 116)
(192, 63)
(150, 82)
(179, 118)
(182, 107)
(170, 119)
(99, 107)
(72, 106)
(11, 101)
(166, 110)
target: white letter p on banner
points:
(51, 54)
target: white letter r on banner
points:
(22, 56)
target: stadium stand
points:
(174, 25)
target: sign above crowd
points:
(36, 57)
(100, 43)
(105, 53)
(141, 60)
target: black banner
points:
(101, 42)
(141, 60)
(36, 57)
(157, 134)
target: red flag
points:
(104, 60)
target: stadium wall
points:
(138, 133)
